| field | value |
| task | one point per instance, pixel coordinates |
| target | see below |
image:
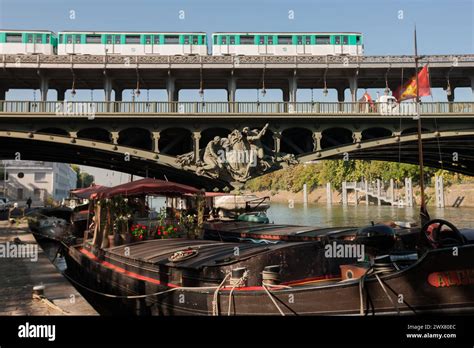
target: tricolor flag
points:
(408, 90)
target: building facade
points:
(38, 180)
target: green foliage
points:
(83, 179)
(336, 171)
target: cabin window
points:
(270, 40)
(69, 39)
(308, 40)
(47, 38)
(16, 38)
(156, 40)
(38, 38)
(29, 38)
(148, 39)
(232, 40)
(171, 40)
(117, 40)
(195, 40)
(284, 40)
(261, 40)
(186, 39)
(358, 40)
(323, 40)
(247, 40)
(93, 39)
(132, 39)
(299, 40)
(338, 40)
(78, 39)
(224, 40)
(108, 39)
(345, 40)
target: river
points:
(336, 215)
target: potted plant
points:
(138, 232)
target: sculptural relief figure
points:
(237, 157)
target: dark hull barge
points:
(186, 277)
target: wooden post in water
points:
(344, 194)
(328, 193)
(305, 194)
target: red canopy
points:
(144, 187)
(87, 192)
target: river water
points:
(323, 215)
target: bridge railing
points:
(266, 108)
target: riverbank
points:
(23, 265)
(318, 195)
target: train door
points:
(300, 45)
(262, 46)
(345, 44)
(156, 44)
(30, 43)
(69, 42)
(109, 44)
(338, 44)
(148, 45)
(187, 44)
(224, 44)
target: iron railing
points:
(234, 108)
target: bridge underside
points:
(53, 152)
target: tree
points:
(83, 179)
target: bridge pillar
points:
(353, 88)
(61, 94)
(196, 137)
(276, 141)
(340, 98)
(108, 88)
(286, 98)
(3, 96)
(451, 99)
(156, 140)
(73, 135)
(317, 136)
(44, 87)
(172, 93)
(472, 84)
(292, 90)
(231, 90)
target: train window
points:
(69, 39)
(270, 40)
(345, 40)
(224, 40)
(247, 40)
(132, 39)
(338, 40)
(92, 39)
(284, 40)
(47, 38)
(118, 40)
(322, 40)
(308, 40)
(300, 40)
(261, 40)
(171, 39)
(358, 40)
(78, 39)
(148, 39)
(16, 38)
(232, 39)
(195, 40)
(108, 39)
(38, 38)
(156, 40)
(186, 39)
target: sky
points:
(443, 26)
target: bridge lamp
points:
(325, 91)
(264, 92)
(448, 89)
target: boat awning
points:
(87, 192)
(146, 187)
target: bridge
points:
(170, 138)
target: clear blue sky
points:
(444, 26)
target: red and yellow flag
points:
(408, 90)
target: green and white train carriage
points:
(287, 44)
(27, 42)
(132, 43)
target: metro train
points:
(180, 43)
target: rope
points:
(239, 283)
(273, 300)
(48, 302)
(215, 299)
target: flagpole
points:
(424, 217)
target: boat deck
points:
(19, 275)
